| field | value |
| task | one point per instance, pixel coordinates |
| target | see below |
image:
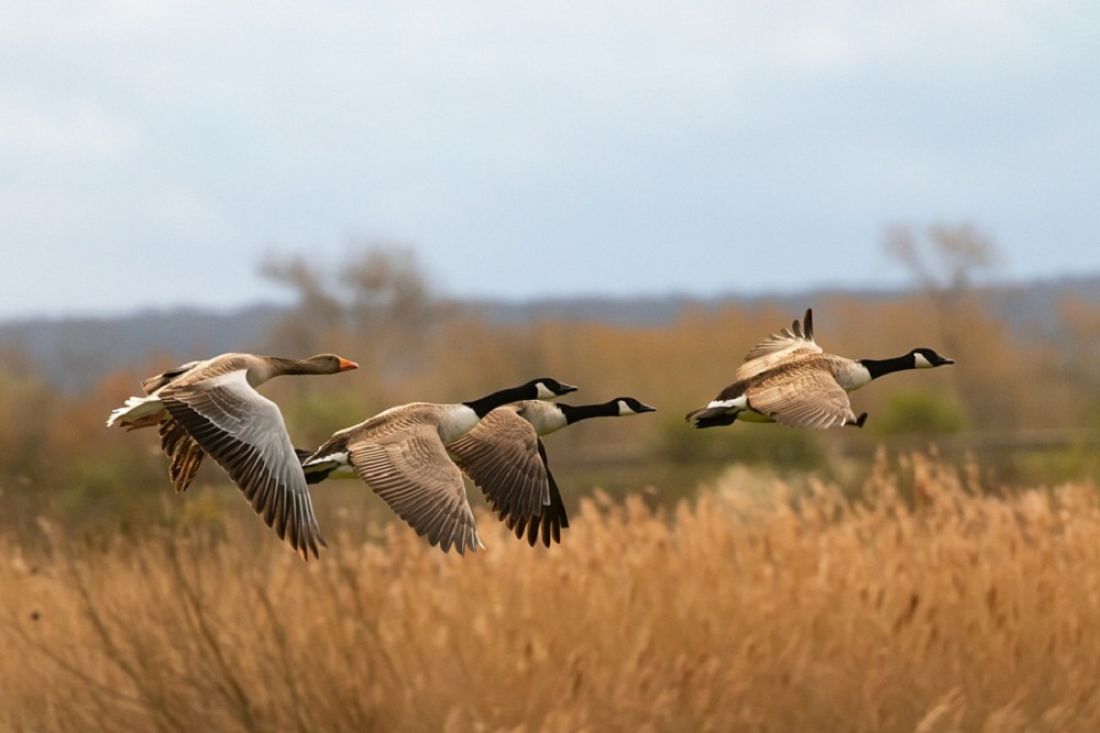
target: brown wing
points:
(553, 518)
(184, 454)
(803, 398)
(245, 434)
(501, 456)
(782, 345)
(410, 469)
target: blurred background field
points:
(1023, 399)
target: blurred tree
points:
(943, 261)
(946, 259)
(386, 286)
(390, 304)
(318, 308)
(378, 298)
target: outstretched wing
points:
(501, 456)
(780, 346)
(553, 519)
(244, 433)
(806, 398)
(410, 469)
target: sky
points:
(152, 154)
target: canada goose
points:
(787, 378)
(211, 407)
(504, 456)
(400, 453)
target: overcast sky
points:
(151, 153)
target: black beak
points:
(566, 388)
(646, 408)
(947, 361)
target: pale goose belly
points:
(851, 375)
(544, 417)
(455, 421)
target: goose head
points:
(328, 364)
(631, 406)
(547, 388)
(924, 358)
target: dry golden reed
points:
(928, 605)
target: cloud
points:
(43, 129)
(487, 131)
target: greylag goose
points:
(211, 407)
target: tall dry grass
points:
(930, 604)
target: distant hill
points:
(99, 345)
(74, 353)
(1031, 304)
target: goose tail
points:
(711, 417)
(319, 464)
(136, 412)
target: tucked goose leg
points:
(183, 452)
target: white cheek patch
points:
(544, 392)
(624, 409)
(921, 362)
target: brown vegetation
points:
(55, 456)
(933, 603)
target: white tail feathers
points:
(134, 409)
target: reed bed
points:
(931, 603)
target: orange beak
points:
(347, 364)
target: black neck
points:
(879, 367)
(583, 412)
(488, 403)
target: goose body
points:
(505, 457)
(401, 453)
(211, 407)
(788, 378)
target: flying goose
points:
(504, 456)
(788, 379)
(211, 407)
(401, 454)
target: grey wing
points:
(501, 456)
(244, 433)
(808, 398)
(410, 469)
(798, 340)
